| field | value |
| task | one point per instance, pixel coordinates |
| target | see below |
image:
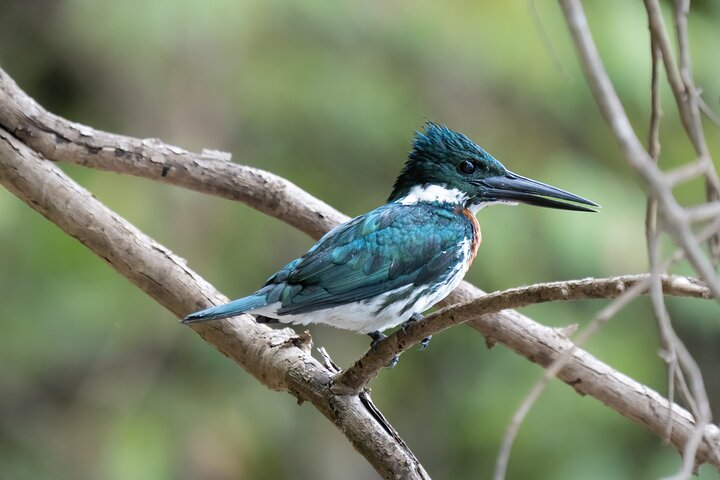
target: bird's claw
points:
(416, 317)
(378, 337)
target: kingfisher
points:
(385, 267)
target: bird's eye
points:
(467, 167)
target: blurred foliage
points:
(97, 381)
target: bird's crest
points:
(435, 153)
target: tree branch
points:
(355, 378)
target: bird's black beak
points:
(514, 188)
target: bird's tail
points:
(233, 308)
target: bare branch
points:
(662, 41)
(277, 358)
(652, 234)
(709, 112)
(685, 173)
(355, 378)
(704, 212)
(655, 104)
(682, 7)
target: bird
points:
(386, 267)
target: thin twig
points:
(652, 235)
(704, 212)
(685, 173)
(709, 112)
(655, 104)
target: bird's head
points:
(447, 166)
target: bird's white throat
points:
(434, 193)
(442, 194)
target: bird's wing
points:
(386, 249)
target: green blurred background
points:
(98, 381)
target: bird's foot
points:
(416, 317)
(377, 337)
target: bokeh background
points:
(97, 381)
